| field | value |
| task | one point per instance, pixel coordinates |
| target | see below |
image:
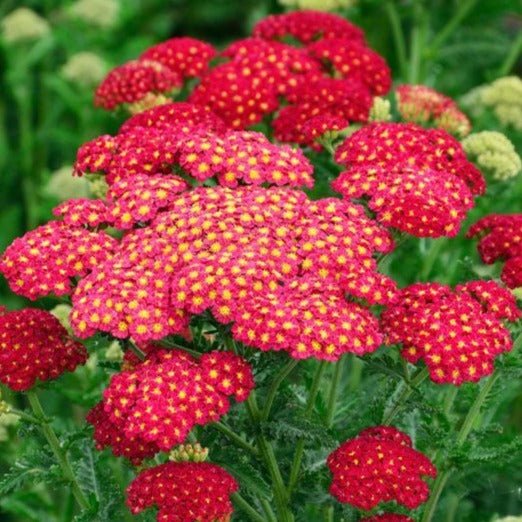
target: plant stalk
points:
(60, 455)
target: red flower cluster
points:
(45, 260)
(186, 56)
(160, 69)
(501, 238)
(307, 26)
(354, 61)
(156, 404)
(35, 346)
(321, 101)
(261, 71)
(229, 156)
(323, 126)
(421, 104)
(271, 261)
(132, 81)
(379, 465)
(417, 180)
(457, 333)
(83, 212)
(184, 492)
(388, 517)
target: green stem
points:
(398, 36)
(223, 428)
(464, 8)
(512, 56)
(431, 257)
(332, 397)
(462, 436)
(267, 453)
(267, 508)
(329, 514)
(242, 504)
(60, 455)
(415, 55)
(298, 457)
(24, 415)
(140, 354)
(280, 377)
(405, 395)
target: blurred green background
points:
(46, 112)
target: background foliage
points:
(44, 117)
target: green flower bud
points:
(63, 185)
(318, 5)
(62, 312)
(100, 13)
(493, 153)
(380, 110)
(189, 453)
(85, 69)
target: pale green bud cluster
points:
(114, 352)
(63, 185)
(62, 312)
(189, 453)
(493, 153)
(85, 69)
(318, 5)
(380, 110)
(504, 96)
(100, 13)
(508, 519)
(97, 185)
(23, 24)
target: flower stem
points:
(242, 504)
(332, 397)
(398, 36)
(298, 457)
(511, 57)
(280, 377)
(405, 395)
(60, 455)
(223, 428)
(462, 436)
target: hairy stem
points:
(280, 377)
(405, 395)
(298, 457)
(242, 504)
(233, 436)
(54, 443)
(462, 436)
(332, 396)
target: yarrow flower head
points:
(133, 81)
(500, 238)
(307, 26)
(417, 180)
(23, 24)
(35, 346)
(188, 57)
(494, 153)
(46, 259)
(458, 333)
(85, 69)
(379, 465)
(63, 185)
(184, 492)
(319, 5)
(388, 517)
(154, 406)
(504, 96)
(421, 104)
(100, 13)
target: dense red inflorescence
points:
(184, 492)
(417, 180)
(131, 82)
(500, 238)
(421, 104)
(458, 333)
(379, 465)
(35, 346)
(388, 517)
(154, 405)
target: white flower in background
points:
(63, 185)
(101, 13)
(493, 153)
(86, 69)
(23, 24)
(318, 5)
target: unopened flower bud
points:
(380, 110)
(23, 24)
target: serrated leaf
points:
(249, 478)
